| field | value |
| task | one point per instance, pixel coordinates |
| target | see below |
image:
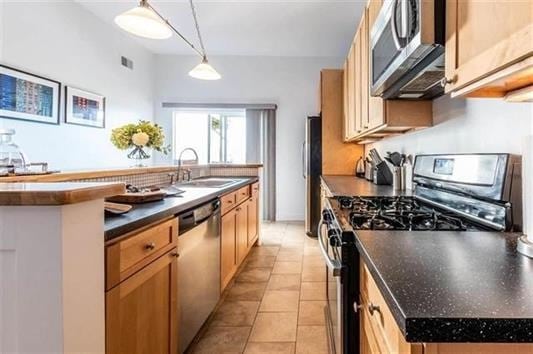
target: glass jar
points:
(11, 156)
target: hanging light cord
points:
(200, 53)
(193, 10)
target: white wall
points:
(291, 83)
(65, 42)
(467, 125)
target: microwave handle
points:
(404, 23)
(394, 26)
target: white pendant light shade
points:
(143, 22)
(204, 71)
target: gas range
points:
(399, 213)
(452, 192)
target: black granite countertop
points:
(355, 186)
(144, 214)
(453, 286)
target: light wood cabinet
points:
(141, 312)
(253, 220)
(241, 223)
(371, 118)
(489, 47)
(379, 332)
(239, 230)
(338, 157)
(228, 248)
(349, 124)
(142, 290)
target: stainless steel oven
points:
(329, 239)
(407, 49)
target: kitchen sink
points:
(209, 183)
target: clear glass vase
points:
(11, 156)
(139, 154)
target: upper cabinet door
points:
(489, 47)
(357, 84)
(365, 87)
(350, 122)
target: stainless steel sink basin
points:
(209, 183)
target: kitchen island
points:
(69, 274)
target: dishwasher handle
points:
(196, 216)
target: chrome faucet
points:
(180, 161)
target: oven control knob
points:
(327, 216)
(334, 242)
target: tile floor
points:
(276, 303)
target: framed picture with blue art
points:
(84, 108)
(30, 97)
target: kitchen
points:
(262, 285)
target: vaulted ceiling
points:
(316, 28)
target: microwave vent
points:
(424, 81)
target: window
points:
(217, 136)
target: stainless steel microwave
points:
(407, 49)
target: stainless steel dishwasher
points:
(198, 268)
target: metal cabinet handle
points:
(445, 81)
(372, 308)
(175, 254)
(357, 307)
(150, 246)
(304, 174)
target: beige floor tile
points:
(313, 291)
(236, 313)
(311, 250)
(254, 275)
(311, 340)
(270, 348)
(247, 291)
(287, 267)
(261, 262)
(223, 340)
(290, 255)
(265, 250)
(311, 313)
(313, 262)
(274, 327)
(314, 274)
(280, 301)
(284, 282)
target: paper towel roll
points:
(527, 187)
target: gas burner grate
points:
(398, 213)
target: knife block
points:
(382, 174)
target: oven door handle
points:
(332, 264)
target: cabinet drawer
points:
(138, 248)
(255, 189)
(228, 202)
(386, 332)
(243, 194)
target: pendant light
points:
(145, 21)
(142, 21)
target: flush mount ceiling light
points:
(145, 21)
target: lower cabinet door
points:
(142, 313)
(228, 254)
(253, 219)
(241, 221)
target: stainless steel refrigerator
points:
(312, 169)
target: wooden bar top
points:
(113, 172)
(56, 193)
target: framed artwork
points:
(84, 108)
(25, 96)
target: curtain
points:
(261, 147)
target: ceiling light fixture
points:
(145, 21)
